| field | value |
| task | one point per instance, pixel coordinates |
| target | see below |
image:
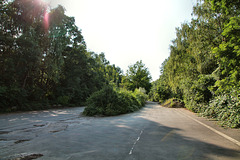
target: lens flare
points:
(46, 21)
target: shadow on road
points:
(112, 138)
(161, 142)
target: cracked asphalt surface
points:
(152, 133)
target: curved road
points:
(153, 133)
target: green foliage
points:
(225, 108)
(173, 103)
(137, 76)
(199, 93)
(228, 54)
(101, 101)
(225, 6)
(127, 101)
(110, 102)
(46, 62)
(204, 63)
(159, 91)
(141, 96)
(63, 100)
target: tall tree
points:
(137, 76)
(228, 51)
(203, 67)
(43, 58)
(20, 52)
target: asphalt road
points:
(153, 133)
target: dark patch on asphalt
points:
(54, 131)
(21, 141)
(4, 132)
(3, 140)
(29, 157)
(39, 125)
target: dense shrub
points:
(110, 102)
(199, 93)
(140, 95)
(159, 91)
(63, 100)
(225, 108)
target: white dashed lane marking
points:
(131, 151)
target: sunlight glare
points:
(46, 1)
(46, 21)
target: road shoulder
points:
(213, 125)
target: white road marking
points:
(212, 129)
(135, 142)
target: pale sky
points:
(129, 30)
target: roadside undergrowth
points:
(173, 103)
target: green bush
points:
(140, 95)
(63, 100)
(225, 108)
(159, 91)
(99, 101)
(199, 93)
(110, 102)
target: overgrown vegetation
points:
(45, 64)
(225, 108)
(112, 100)
(109, 101)
(203, 69)
(44, 61)
(173, 103)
